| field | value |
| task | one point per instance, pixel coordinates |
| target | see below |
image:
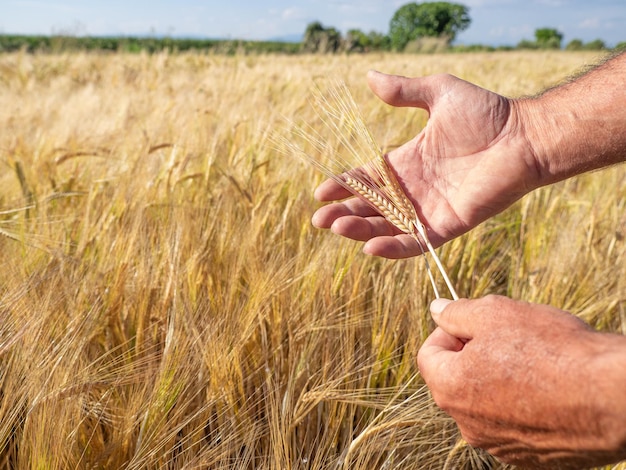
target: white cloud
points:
(293, 13)
(550, 3)
(487, 3)
(360, 7)
(44, 5)
(516, 31)
(590, 23)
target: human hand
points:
(470, 162)
(531, 384)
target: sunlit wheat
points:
(165, 302)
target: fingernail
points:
(315, 220)
(438, 305)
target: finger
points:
(393, 247)
(401, 91)
(457, 318)
(441, 341)
(436, 352)
(330, 190)
(325, 216)
(362, 229)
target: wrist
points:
(534, 149)
(554, 151)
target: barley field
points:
(166, 303)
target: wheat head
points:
(359, 165)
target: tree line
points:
(67, 43)
(414, 27)
(428, 27)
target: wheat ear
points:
(365, 173)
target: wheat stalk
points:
(366, 172)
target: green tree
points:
(526, 44)
(356, 41)
(379, 41)
(548, 38)
(574, 45)
(595, 45)
(434, 19)
(318, 39)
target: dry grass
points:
(166, 304)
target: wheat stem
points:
(442, 270)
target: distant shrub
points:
(527, 44)
(595, 45)
(574, 45)
(428, 45)
(474, 48)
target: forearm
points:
(579, 126)
(609, 385)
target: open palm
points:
(470, 162)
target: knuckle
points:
(492, 300)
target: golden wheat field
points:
(166, 303)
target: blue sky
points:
(496, 22)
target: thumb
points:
(401, 91)
(454, 318)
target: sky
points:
(494, 22)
